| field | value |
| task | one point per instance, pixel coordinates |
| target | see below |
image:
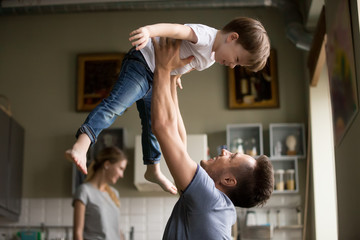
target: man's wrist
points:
(162, 71)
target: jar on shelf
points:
(290, 179)
(279, 180)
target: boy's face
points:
(230, 53)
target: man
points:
(205, 209)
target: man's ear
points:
(229, 181)
(232, 36)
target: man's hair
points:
(254, 184)
(253, 38)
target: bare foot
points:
(154, 174)
(78, 152)
(78, 158)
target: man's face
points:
(216, 166)
(230, 53)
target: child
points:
(243, 41)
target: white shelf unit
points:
(286, 164)
(279, 132)
(247, 132)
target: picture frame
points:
(342, 72)
(254, 90)
(96, 74)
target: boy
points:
(243, 41)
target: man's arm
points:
(141, 36)
(164, 114)
(180, 123)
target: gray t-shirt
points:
(202, 212)
(102, 216)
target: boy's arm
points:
(164, 114)
(141, 36)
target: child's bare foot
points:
(154, 174)
(78, 152)
(78, 158)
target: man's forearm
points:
(180, 123)
(163, 114)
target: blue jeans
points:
(133, 85)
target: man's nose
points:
(224, 151)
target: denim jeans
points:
(133, 85)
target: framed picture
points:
(96, 74)
(341, 68)
(254, 90)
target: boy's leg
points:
(151, 148)
(130, 86)
(78, 152)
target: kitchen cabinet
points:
(289, 182)
(245, 138)
(11, 171)
(287, 139)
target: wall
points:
(346, 154)
(146, 217)
(54, 217)
(38, 75)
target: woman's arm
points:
(79, 219)
(141, 36)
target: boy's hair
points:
(254, 184)
(253, 38)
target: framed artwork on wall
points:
(341, 69)
(96, 74)
(254, 90)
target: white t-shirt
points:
(202, 50)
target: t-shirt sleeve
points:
(81, 194)
(201, 193)
(202, 33)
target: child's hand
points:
(139, 37)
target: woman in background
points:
(96, 204)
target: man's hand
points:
(167, 54)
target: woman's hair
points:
(113, 155)
(253, 38)
(254, 184)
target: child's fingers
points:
(137, 42)
(141, 46)
(135, 32)
(137, 36)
